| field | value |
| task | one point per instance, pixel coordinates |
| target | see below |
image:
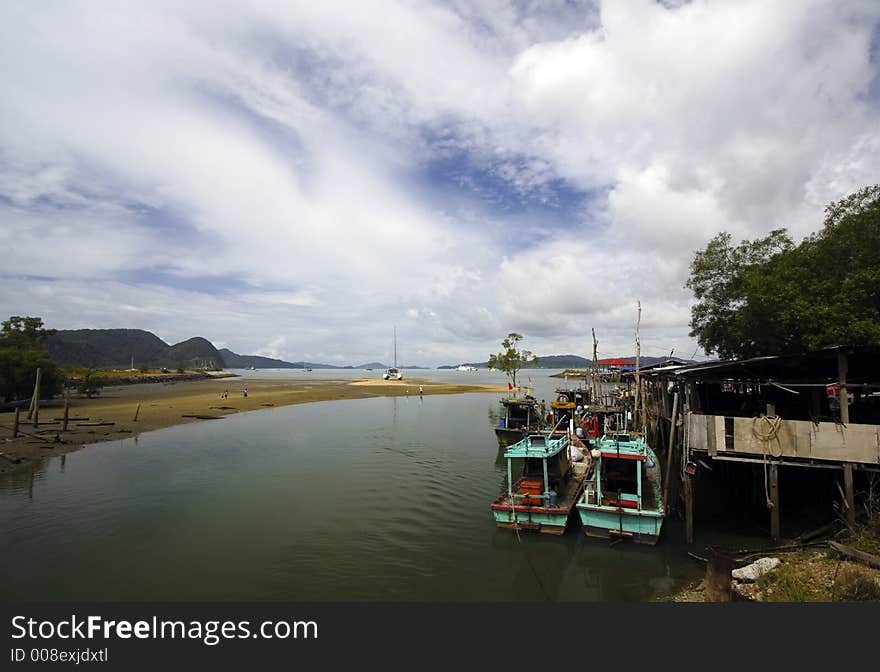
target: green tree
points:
(90, 384)
(771, 297)
(22, 352)
(512, 359)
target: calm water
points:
(369, 499)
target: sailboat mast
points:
(395, 347)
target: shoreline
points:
(111, 416)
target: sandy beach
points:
(160, 405)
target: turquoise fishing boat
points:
(624, 498)
(543, 497)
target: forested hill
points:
(115, 348)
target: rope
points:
(767, 432)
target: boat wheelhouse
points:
(543, 497)
(522, 416)
(624, 498)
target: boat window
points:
(618, 476)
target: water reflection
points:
(370, 499)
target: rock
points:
(756, 570)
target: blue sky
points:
(294, 179)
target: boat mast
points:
(395, 347)
(638, 366)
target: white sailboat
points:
(393, 373)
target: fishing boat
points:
(543, 497)
(624, 498)
(393, 373)
(522, 416)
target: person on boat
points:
(543, 407)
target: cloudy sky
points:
(294, 179)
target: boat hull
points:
(530, 518)
(507, 437)
(612, 523)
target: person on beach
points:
(421, 391)
(244, 392)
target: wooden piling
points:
(849, 493)
(37, 397)
(774, 501)
(842, 366)
(66, 410)
(688, 492)
(136, 411)
(670, 454)
(15, 420)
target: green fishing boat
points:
(543, 497)
(624, 498)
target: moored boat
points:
(543, 497)
(624, 498)
(522, 416)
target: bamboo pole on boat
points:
(594, 369)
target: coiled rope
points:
(766, 429)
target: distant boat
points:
(393, 373)
(624, 498)
(252, 368)
(465, 367)
(542, 499)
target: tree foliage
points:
(512, 359)
(770, 297)
(90, 384)
(22, 352)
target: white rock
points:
(757, 569)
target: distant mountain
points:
(235, 361)
(372, 365)
(115, 348)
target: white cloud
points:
(283, 146)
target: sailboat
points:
(393, 373)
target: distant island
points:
(128, 348)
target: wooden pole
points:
(595, 370)
(774, 501)
(688, 491)
(842, 365)
(66, 410)
(37, 397)
(638, 365)
(34, 396)
(670, 454)
(850, 495)
(15, 422)
(136, 411)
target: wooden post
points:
(137, 410)
(843, 396)
(774, 501)
(670, 453)
(37, 397)
(34, 396)
(718, 576)
(688, 491)
(849, 494)
(15, 422)
(66, 409)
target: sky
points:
(296, 179)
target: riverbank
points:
(126, 410)
(821, 574)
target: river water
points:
(383, 499)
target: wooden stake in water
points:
(66, 409)
(15, 422)
(136, 411)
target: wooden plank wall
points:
(796, 438)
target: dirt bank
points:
(159, 405)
